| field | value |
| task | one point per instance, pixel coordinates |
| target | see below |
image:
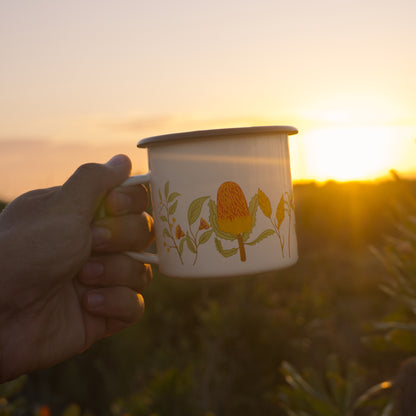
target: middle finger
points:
(125, 233)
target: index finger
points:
(90, 183)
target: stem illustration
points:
(167, 209)
(290, 208)
(194, 242)
(278, 219)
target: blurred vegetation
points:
(333, 394)
(234, 346)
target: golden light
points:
(348, 153)
(354, 135)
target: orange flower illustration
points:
(203, 225)
(179, 232)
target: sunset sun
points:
(349, 153)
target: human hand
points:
(65, 282)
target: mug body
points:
(223, 201)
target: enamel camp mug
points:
(222, 201)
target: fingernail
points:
(94, 300)
(91, 271)
(100, 235)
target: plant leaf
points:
(295, 379)
(195, 208)
(252, 209)
(163, 218)
(166, 233)
(315, 399)
(226, 253)
(371, 392)
(205, 237)
(262, 236)
(264, 203)
(172, 196)
(190, 244)
(181, 244)
(388, 410)
(336, 382)
(403, 339)
(166, 189)
(280, 212)
(172, 208)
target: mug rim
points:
(200, 134)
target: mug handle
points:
(143, 256)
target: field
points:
(217, 347)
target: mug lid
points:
(199, 134)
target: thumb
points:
(86, 188)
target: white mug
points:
(222, 201)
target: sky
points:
(83, 80)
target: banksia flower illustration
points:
(233, 214)
(264, 203)
(203, 225)
(179, 232)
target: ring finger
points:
(116, 270)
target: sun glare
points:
(348, 153)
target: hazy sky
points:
(96, 76)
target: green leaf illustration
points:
(182, 242)
(264, 203)
(214, 224)
(195, 208)
(252, 209)
(205, 237)
(190, 244)
(262, 236)
(166, 233)
(160, 196)
(280, 212)
(163, 218)
(172, 208)
(172, 196)
(254, 203)
(226, 253)
(166, 189)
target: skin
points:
(65, 282)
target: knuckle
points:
(88, 168)
(91, 170)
